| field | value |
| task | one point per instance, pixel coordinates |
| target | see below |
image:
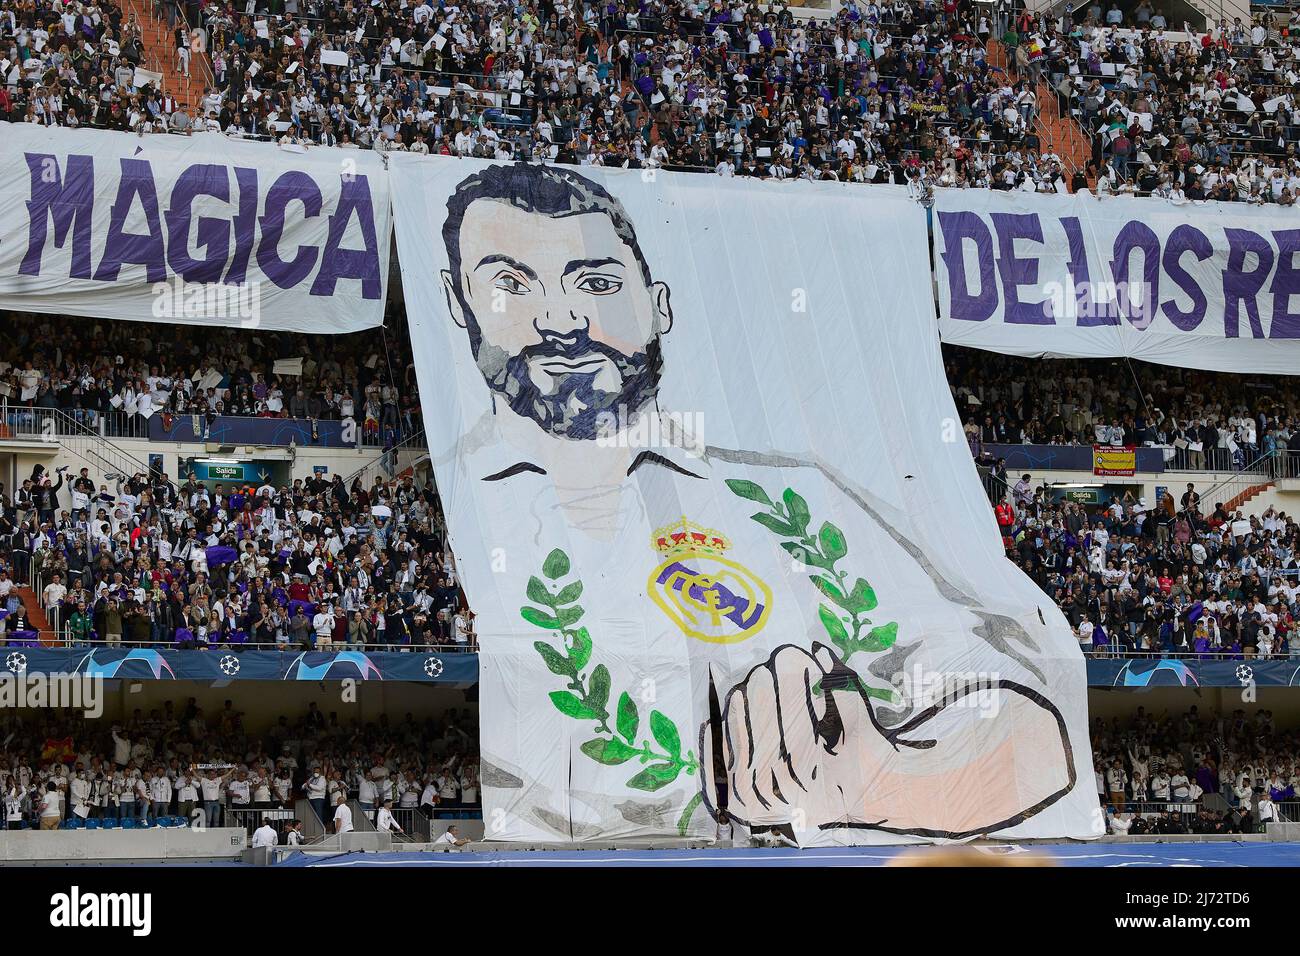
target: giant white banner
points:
(707, 495)
(1204, 285)
(198, 229)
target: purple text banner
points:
(199, 229)
(1206, 285)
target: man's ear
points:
(663, 307)
(453, 300)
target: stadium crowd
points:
(1182, 576)
(131, 371)
(1192, 773)
(1175, 578)
(883, 91)
(1184, 116)
(312, 565)
(1233, 418)
(179, 765)
(730, 87)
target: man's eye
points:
(510, 284)
(599, 285)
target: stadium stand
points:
(157, 769)
(1163, 582)
(948, 94)
(1154, 579)
(1173, 577)
(125, 373)
(1195, 772)
(879, 91)
(1238, 418)
(154, 564)
(960, 94)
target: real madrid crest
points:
(711, 598)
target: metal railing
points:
(387, 462)
(417, 826)
(1264, 468)
(1285, 464)
(251, 818)
(1155, 806)
(60, 638)
(1110, 652)
(1257, 472)
(52, 426)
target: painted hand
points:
(801, 746)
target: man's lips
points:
(559, 366)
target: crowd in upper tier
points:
(1176, 577)
(878, 91)
(1234, 419)
(128, 372)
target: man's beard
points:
(576, 409)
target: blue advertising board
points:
(139, 663)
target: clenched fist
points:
(801, 746)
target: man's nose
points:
(561, 316)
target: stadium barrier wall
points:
(105, 846)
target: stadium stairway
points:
(160, 57)
(313, 828)
(36, 619)
(1063, 136)
(1239, 500)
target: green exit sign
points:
(1083, 496)
(229, 472)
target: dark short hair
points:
(546, 190)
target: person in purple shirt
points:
(1100, 640)
(1207, 776)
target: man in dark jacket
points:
(47, 496)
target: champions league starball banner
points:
(709, 500)
(198, 229)
(1204, 285)
(28, 658)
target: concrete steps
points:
(1239, 500)
(35, 614)
(160, 57)
(1063, 136)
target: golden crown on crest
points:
(686, 537)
